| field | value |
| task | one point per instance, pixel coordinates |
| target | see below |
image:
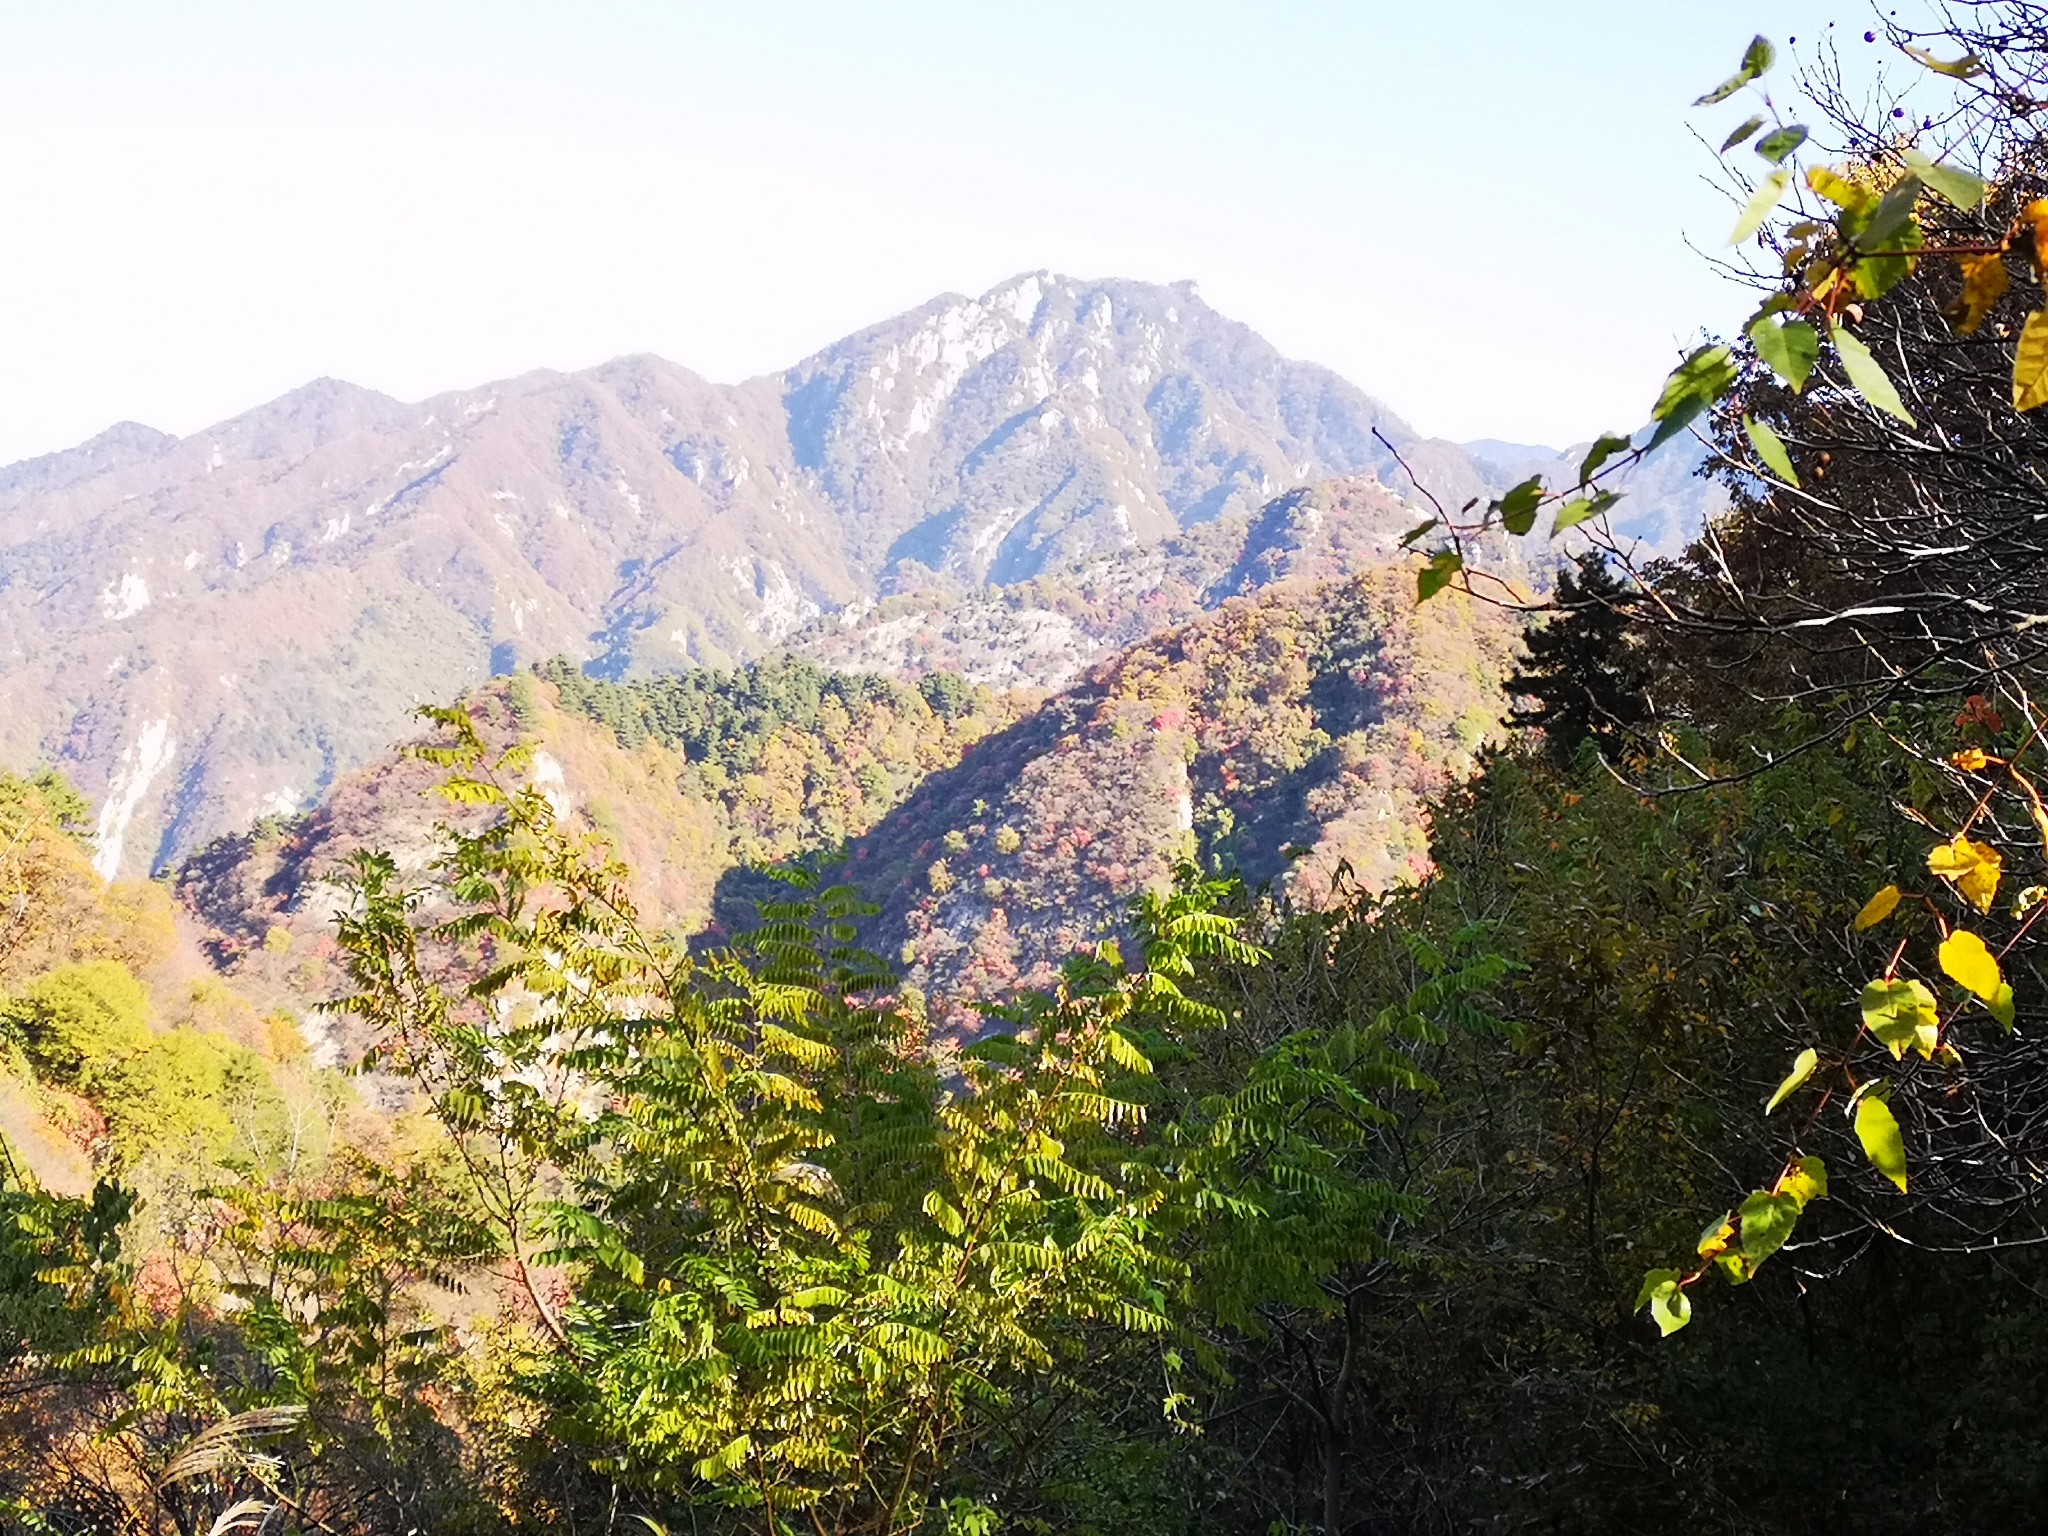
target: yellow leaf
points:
(1806, 1181)
(1714, 1241)
(1802, 1068)
(2035, 217)
(1878, 1129)
(1878, 908)
(1970, 759)
(1844, 193)
(2030, 364)
(1970, 964)
(1985, 281)
(1972, 868)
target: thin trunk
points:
(1336, 1438)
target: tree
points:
(1881, 593)
(1581, 666)
(80, 1021)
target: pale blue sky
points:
(1477, 212)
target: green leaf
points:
(721, 1462)
(1518, 507)
(1584, 509)
(1878, 1130)
(1775, 147)
(1958, 187)
(1408, 539)
(1666, 1299)
(1604, 449)
(1902, 1014)
(1876, 276)
(1672, 1309)
(1695, 384)
(1767, 1220)
(1741, 133)
(1968, 67)
(1436, 575)
(2001, 1007)
(1756, 59)
(1769, 193)
(941, 1211)
(1788, 350)
(1890, 214)
(1734, 1268)
(1771, 449)
(1802, 1068)
(2030, 364)
(1867, 378)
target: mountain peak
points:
(124, 443)
(316, 413)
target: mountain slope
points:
(1291, 735)
(1045, 632)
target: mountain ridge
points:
(208, 629)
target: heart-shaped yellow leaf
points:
(1970, 964)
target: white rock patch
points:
(125, 598)
(553, 786)
(141, 762)
(783, 608)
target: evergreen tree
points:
(1586, 682)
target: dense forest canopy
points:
(1668, 1152)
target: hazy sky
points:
(1478, 212)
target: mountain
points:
(207, 630)
(1292, 734)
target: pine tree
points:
(1585, 680)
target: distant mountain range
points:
(207, 630)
